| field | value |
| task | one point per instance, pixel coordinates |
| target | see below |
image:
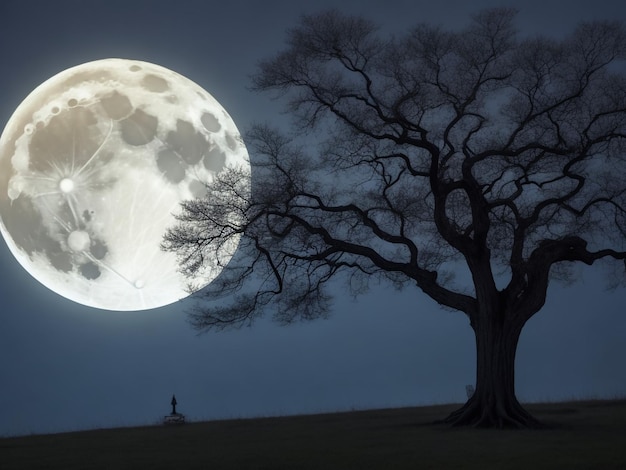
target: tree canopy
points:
(417, 156)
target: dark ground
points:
(582, 435)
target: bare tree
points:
(417, 157)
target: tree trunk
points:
(494, 403)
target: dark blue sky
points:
(64, 366)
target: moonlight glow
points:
(93, 165)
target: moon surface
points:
(94, 164)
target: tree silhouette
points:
(416, 157)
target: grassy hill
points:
(583, 435)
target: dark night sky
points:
(64, 366)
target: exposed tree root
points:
(478, 414)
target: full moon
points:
(94, 164)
